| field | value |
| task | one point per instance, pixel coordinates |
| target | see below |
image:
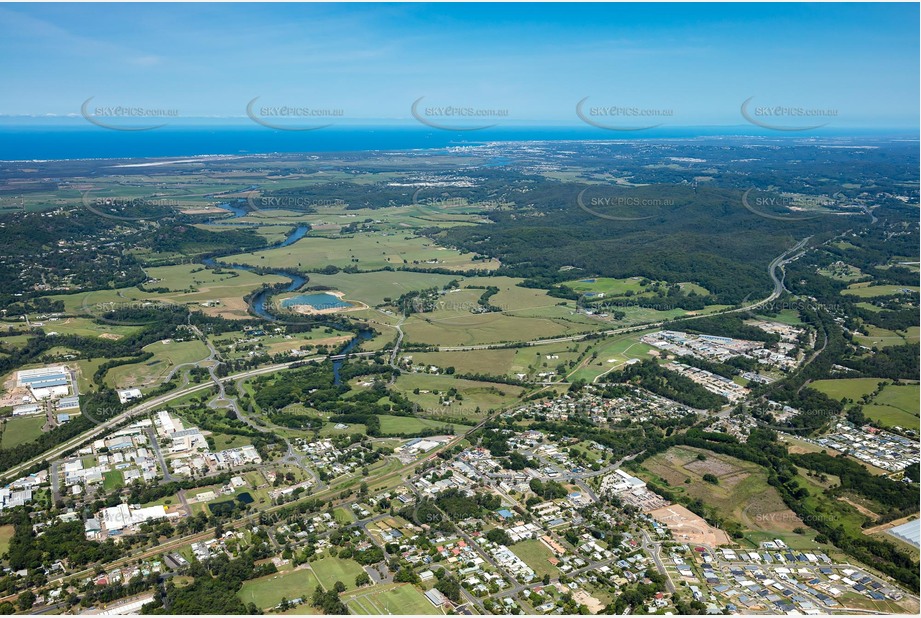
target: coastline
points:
(191, 144)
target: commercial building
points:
(45, 382)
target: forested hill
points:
(702, 235)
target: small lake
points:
(317, 300)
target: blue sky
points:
(537, 61)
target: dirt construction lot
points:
(688, 527)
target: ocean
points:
(20, 142)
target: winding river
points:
(258, 302)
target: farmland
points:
(366, 251)
(895, 405)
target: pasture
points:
(433, 388)
(21, 429)
(866, 290)
(366, 251)
(166, 356)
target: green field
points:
(894, 406)
(112, 479)
(188, 284)
(841, 272)
(877, 337)
(267, 592)
(536, 555)
(6, 534)
(373, 288)
(152, 372)
(395, 599)
(865, 290)
(852, 388)
(784, 316)
(510, 362)
(482, 395)
(410, 425)
(493, 362)
(608, 286)
(86, 327)
(612, 354)
(330, 570)
(366, 251)
(22, 429)
(343, 515)
(86, 369)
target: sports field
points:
(267, 592)
(330, 570)
(395, 599)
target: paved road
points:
(779, 289)
(152, 436)
(653, 550)
(142, 408)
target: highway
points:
(779, 288)
(148, 406)
(142, 408)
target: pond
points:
(317, 300)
